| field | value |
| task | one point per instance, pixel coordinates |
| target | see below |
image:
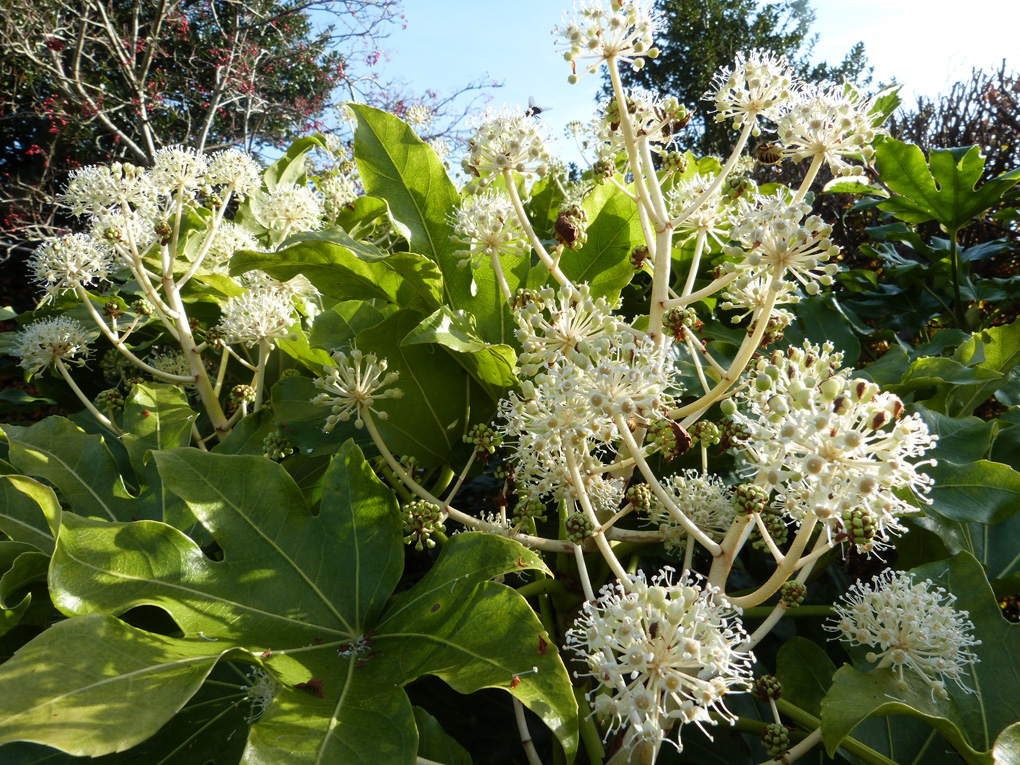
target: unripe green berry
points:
(579, 527)
(767, 687)
(750, 498)
(421, 520)
(792, 593)
(776, 739)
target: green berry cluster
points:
(750, 498)
(792, 593)
(776, 739)
(110, 400)
(767, 687)
(707, 432)
(737, 186)
(276, 446)
(143, 307)
(421, 520)
(571, 227)
(240, 394)
(776, 526)
(527, 508)
(670, 439)
(638, 257)
(640, 495)
(579, 527)
(859, 524)
(484, 439)
(674, 162)
(679, 321)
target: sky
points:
(922, 44)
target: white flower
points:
(506, 140)
(598, 31)
(660, 653)
(835, 124)
(703, 498)
(712, 219)
(353, 385)
(236, 170)
(178, 169)
(90, 190)
(43, 342)
(260, 313)
(120, 226)
(338, 193)
(911, 625)
(227, 239)
(260, 691)
(835, 448)
(289, 208)
(419, 116)
(748, 294)
(757, 86)
(488, 224)
(73, 261)
(172, 363)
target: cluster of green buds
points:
(113, 309)
(737, 186)
(679, 321)
(241, 394)
(110, 400)
(421, 520)
(707, 432)
(669, 438)
(767, 687)
(143, 307)
(775, 524)
(640, 495)
(579, 527)
(276, 446)
(529, 508)
(602, 170)
(524, 297)
(484, 439)
(859, 524)
(638, 257)
(776, 739)
(749, 498)
(674, 162)
(792, 593)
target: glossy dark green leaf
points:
(961, 439)
(344, 269)
(29, 511)
(79, 465)
(76, 685)
(614, 230)
(435, 744)
(821, 319)
(290, 168)
(805, 671)
(947, 192)
(338, 326)
(980, 491)
(301, 421)
(996, 349)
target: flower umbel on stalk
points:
(911, 625)
(47, 341)
(661, 653)
(510, 139)
(355, 384)
(600, 30)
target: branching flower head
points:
(510, 139)
(177, 169)
(703, 498)
(661, 652)
(90, 190)
(911, 625)
(73, 261)
(712, 218)
(837, 449)
(338, 193)
(353, 386)
(235, 170)
(835, 123)
(488, 224)
(227, 239)
(600, 30)
(288, 207)
(260, 313)
(756, 87)
(46, 341)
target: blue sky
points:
(923, 44)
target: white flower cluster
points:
(73, 261)
(835, 124)
(228, 238)
(756, 87)
(262, 312)
(288, 208)
(713, 218)
(774, 236)
(703, 498)
(910, 625)
(338, 193)
(584, 368)
(656, 120)
(488, 224)
(354, 385)
(598, 31)
(835, 448)
(506, 140)
(661, 653)
(43, 342)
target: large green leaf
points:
(996, 349)
(946, 192)
(980, 491)
(93, 685)
(397, 166)
(338, 326)
(29, 511)
(344, 269)
(80, 466)
(805, 671)
(615, 229)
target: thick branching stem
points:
(585, 501)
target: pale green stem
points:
(600, 538)
(536, 243)
(699, 248)
(118, 343)
(777, 554)
(210, 235)
(718, 284)
(730, 163)
(782, 572)
(537, 543)
(653, 483)
(522, 728)
(497, 268)
(689, 554)
(660, 282)
(221, 373)
(102, 418)
(460, 481)
(816, 163)
(168, 259)
(260, 373)
(582, 571)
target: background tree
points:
(701, 36)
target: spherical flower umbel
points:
(623, 30)
(260, 313)
(510, 139)
(90, 190)
(834, 124)
(661, 652)
(703, 498)
(178, 169)
(46, 341)
(757, 86)
(488, 224)
(288, 208)
(911, 625)
(236, 170)
(73, 261)
(353, 386)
